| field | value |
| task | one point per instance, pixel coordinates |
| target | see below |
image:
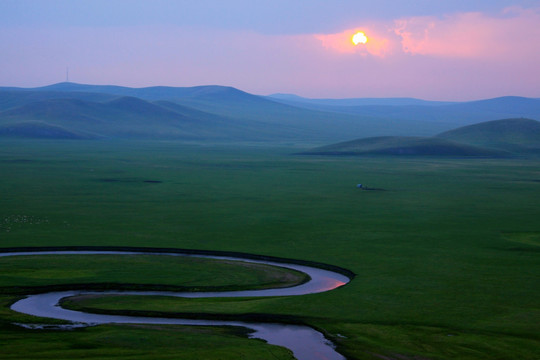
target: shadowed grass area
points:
(136, 342)
(435, 254)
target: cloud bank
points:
(515, 32)
(472, 35)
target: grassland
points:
(102, 272)
(447, 257)
(135, 342)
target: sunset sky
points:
(435, 50)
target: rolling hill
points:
(507, 137)
(11, 99)
(517, 135)
(123, 117)
(310, 124)
(40, 130)
(296, 100)
(227, 114)
(396, 145)
(447, 113)
(222, 113)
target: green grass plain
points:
(175, 273)
(446, 257)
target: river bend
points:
(305, 342)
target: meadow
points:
(445, 252)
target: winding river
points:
(305, 342)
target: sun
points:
(359, 38)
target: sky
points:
(435, 50)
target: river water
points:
(305, 342)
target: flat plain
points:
(445, 251)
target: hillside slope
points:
(496, 138)
(412, 146)
(40, 130)
(452, 114)
(517, 135)
(226, 101)
(255, 117)
(11, 99)
(225, 113)
(124, 117)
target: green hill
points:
(496, 138)
(518, 135)
(398, 145)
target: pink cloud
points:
(380, 41)
(472, 35)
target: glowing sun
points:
(359, 38)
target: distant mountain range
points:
(218, 113)
(498, 138)
(350, 102)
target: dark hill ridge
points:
(151, 93)
(497, 138)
